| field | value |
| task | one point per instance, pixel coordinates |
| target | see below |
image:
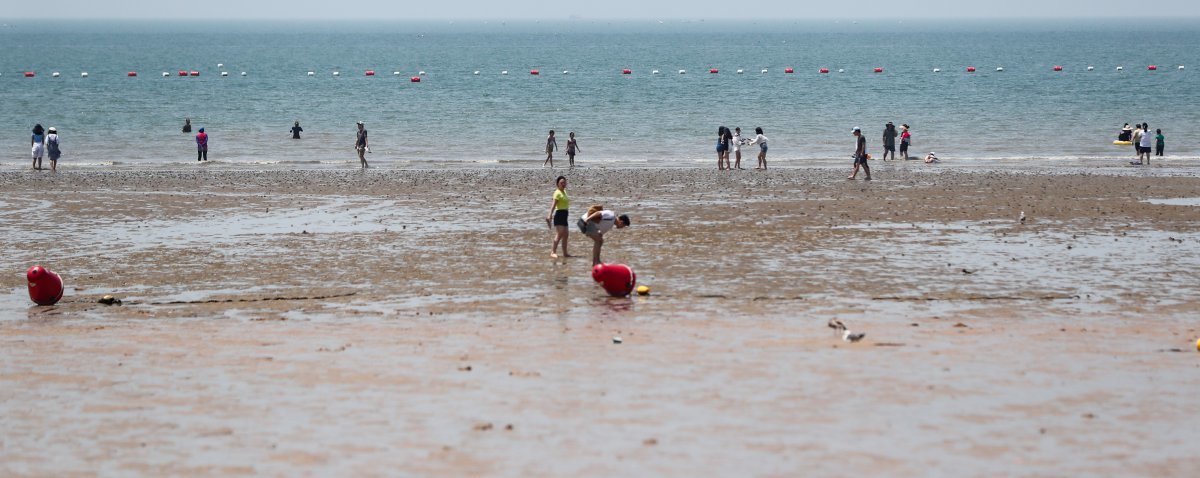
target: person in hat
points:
(52, 148)
(932, 158)
(360, 144)
(201, 145)
(860, 154)
(905, 141)
(889, 140)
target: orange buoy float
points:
(45, 287)
(534, 72)
(1057, 68)
(415, 79)
(29, 74)
(713, 70)
(370, 73)
(132, 73)
(878, 70)
(627, 71)
(1152, 67)
(970, 69)
(789, 70)
(616, 279)
(824, 70)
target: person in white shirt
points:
(598, 221)
(1145, 144)
(761, 141)
(737, 148)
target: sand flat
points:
(389, 321)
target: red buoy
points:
(194, 73)
(713, 70)
(1057, 68)
(132, 73)
(45, 287)
(824, 70)
(617, 279)
(789, 70)
(182, 72)
(415, 79)
(878, 70)
(370, 73)
(29, 74)
(627, 71)
(970, 69)
(534, 72)
(1152, 67)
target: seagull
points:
(847, 335)
(1022, 217)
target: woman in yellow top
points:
(558, 212)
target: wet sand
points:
(412, 322)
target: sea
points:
(478, 103)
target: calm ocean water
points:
(1027, 112)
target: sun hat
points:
(856, 129)
(52, 130)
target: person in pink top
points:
(905, 140)
(201, 145)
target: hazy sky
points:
(595, 9)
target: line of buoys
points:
(505, 72)
(999, 68)
(1180, 67)
(1152, 68)
(337, 73)
(83, 75)
(224, 73)
(476, 72)
(937, 70)
(1120, 68)
(878, 70)
(655, 72)
(220, 65)
(193, 73)
(713, 71)
(183, 72)
(824, 70)
(682, 72)
(740, 71)
(312, 73)
(789, 71)
(841, 70)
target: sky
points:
(666, 10)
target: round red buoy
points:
(878, 70)
(182, 72)
(534, 72)
(617, 279)
(415, 79)
(370, 73)
(1152, 67)
(132, 73)
(29, 74)
(194, 73)
(627, 71)
(713, 70)
(1057, 68)
(970, 69)
(45, 287)
(789, 70)
(824, 70)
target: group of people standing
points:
(1142, 140)
(594, 224)
(45, 143)
(732, 142)
(552, 145)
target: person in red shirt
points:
(201, 145)
(905, 140)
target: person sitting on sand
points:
(598, 221)
(932, 158)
